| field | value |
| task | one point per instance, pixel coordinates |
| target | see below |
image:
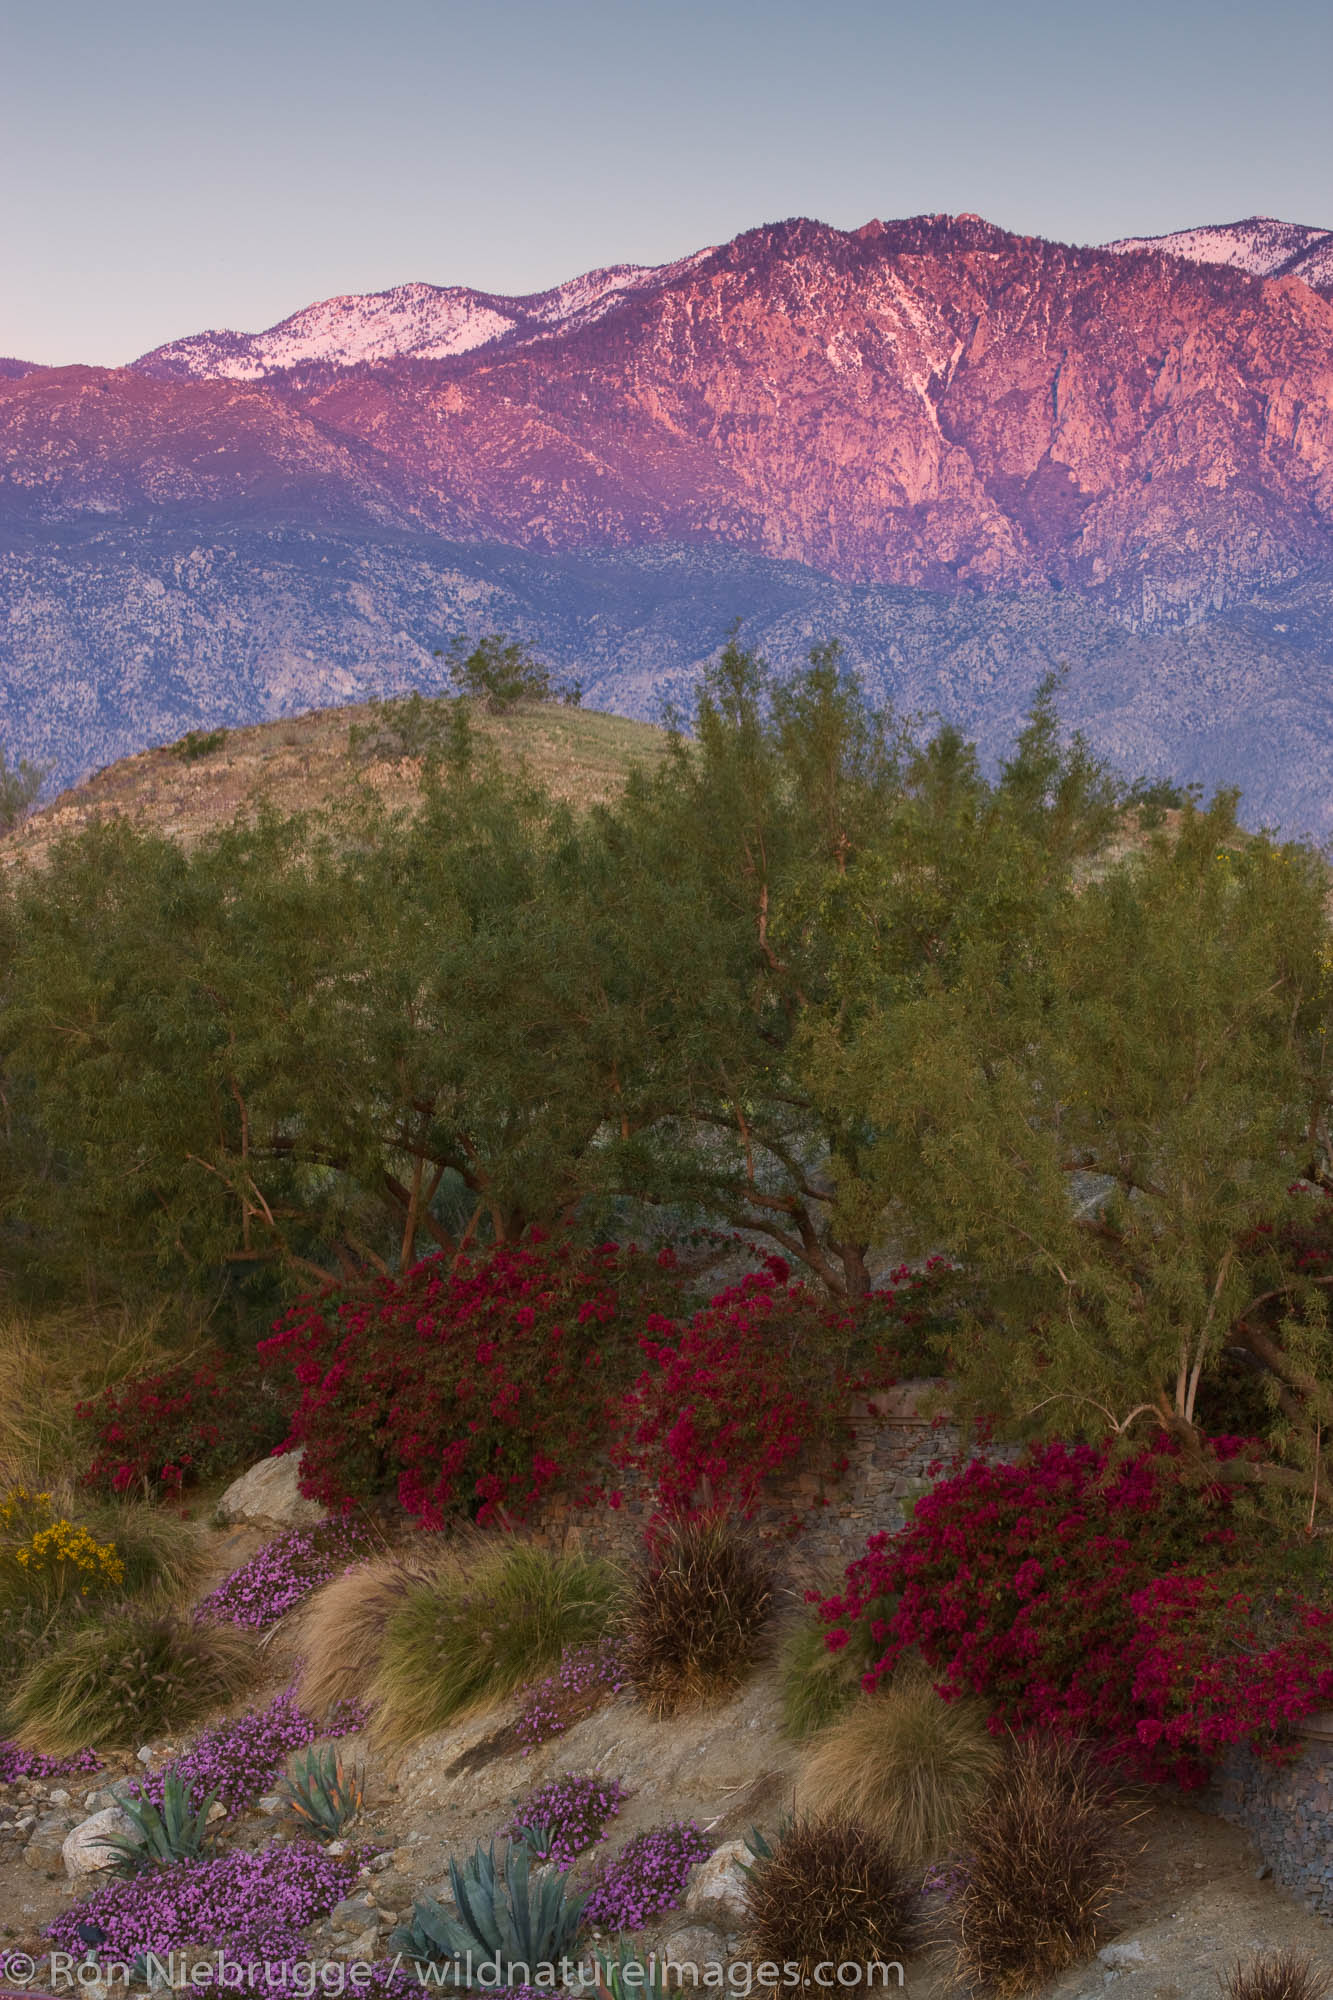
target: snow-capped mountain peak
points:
(1260, 245)
(416, 321)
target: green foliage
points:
(323, 1791)
(501, 673)
(115, 1681)
(477, 1631)
(818, 1684)
(905, 1762)
(1103, 1112)
(627, 1977)
(828, 1892)
(698, 1607)
(20, 784)
(503, 1914)
(430, 727)
(197, 743)
(177, 1830)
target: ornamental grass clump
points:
(136, 1673)
(817, 1682)
(563, 1819)
(475, 1632)
(342, 1626)
(646, 1877)
(904, 1762)
(1278, 1975)
(699, 1604)
(284, 1572)
(1044, 1852)
(829, 1890)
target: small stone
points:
(363, 1949)
(145, 1753)
(337, 1847)
(271, 1803)
(357, 1913)
(59, 1797)
(216, 1812)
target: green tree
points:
(20, 785)
(1103, 1115)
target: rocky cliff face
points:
(967, 452)
(934, 404)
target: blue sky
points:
(169, 167)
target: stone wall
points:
(1288, 1812)
(894, 1451)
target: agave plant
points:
(628, 1977)
(177, 1830)
(511, 1919)
(537, 1839)
(324, 1792)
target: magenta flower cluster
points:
(549, 1705)
(282, 1573)
(647, 1876)
(571, 1813)
(258, 1903)
(17, 1763)
(243, 1756)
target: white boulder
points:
(268, 1496)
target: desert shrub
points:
(1277, 1975)
(563, 1819)
(163, 1555)
(479, 1629)
(342, 1626)
(697, 1611)
(284, 1572)
(131, 1675)
(197, 743)
(905, 1763)
(646, 1877)
(47, 1560)
(828, 1890)
(194, 1421)
(1129, 1599)
(241, 1757)
(764, 1377)
(469, 1385)
(1045, 1852)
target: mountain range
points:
(970, 454)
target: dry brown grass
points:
(1278, 1975)
(50, 1362)
(340, 1630)
(830, 1892)
(302, 765)
(905, 1762)
(699, 1602)
(1046, 1851)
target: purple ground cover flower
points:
(572, 1812)
(550, 1705)
(17, 1763)
(279, 1575)
(257, 1903)
(243, 1756)
(647, 1876)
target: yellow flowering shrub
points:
(44, 1554)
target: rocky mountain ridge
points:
(915, 434)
